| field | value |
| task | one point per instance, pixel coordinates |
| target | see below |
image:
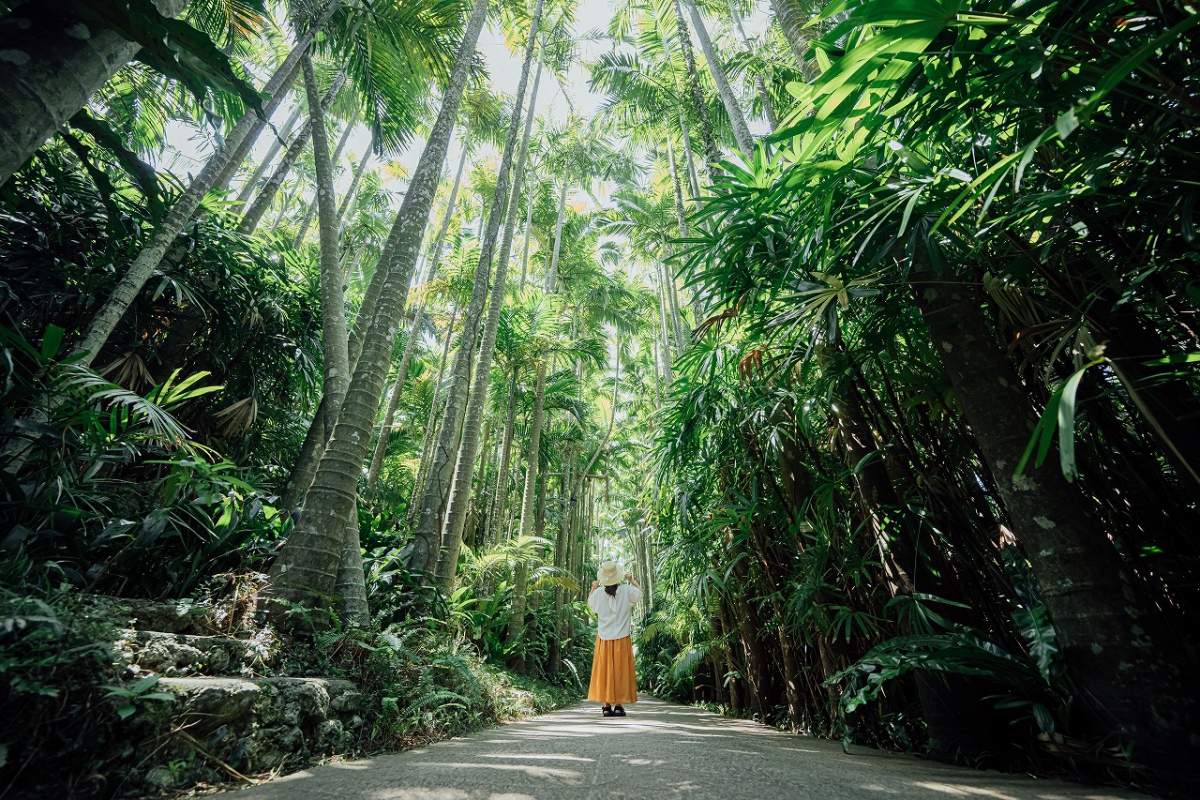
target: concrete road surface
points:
(661, 750)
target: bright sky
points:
(186, 148)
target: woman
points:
(613, 682)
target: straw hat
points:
(610, 572)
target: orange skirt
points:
(613, 679)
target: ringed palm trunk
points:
(712, 153)
(759, 84)
(529, 495)
(741, 131)
(430, 535)
(333, 161)
(430, 435)
(552, 270)
(182, 212)
(500, 498)
(306, 569)
(418, 318)
(516, 622)
(792, 21)
(333, 304)
(1128, 670)
(55, 62)
(528, 237)
(351, 585)
(266, 196)
(460, 492)
(389, 416)
(247, 190)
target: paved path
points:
(661, 750)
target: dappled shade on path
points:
(659, 750)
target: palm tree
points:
(741, 132)
(63, 61)
(430, 536)
(306, 568)
(456, 509)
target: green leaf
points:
(125, 712)
(52, 341)
(1066, 425)
(173, 47)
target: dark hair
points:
(612, 590)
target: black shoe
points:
(608, 712)
(618, 711)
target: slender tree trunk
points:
(351, 582)
(496, 522)
(247, 190)
(460, 430)
(759, 84)
(1129, 671)
(741, 131)
(689, 158)
(351, 192)
(430, 436)
(460, 491)
(677, 186)
(712, 153)
(529, 495)
(666, 334)
(333, 304)
(312, 208)
(792, 21)
(528, 236)
(516, 619)
(305, 569)
(262, 202)
(182, 212)
(552, 269)
(55, 61)
(389, 417)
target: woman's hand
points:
(629, 577)
(595, 585)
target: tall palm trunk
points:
(277, 144)
(429, 536)
(500, 498)
(305, 570)
(677, 187)
(333, 304)
(54, 63)
(741, 131)
(464, 471)
(528, 237)
(355, 182)
(712, 153)
(792, 21)
(351, 585)
(414, 330)
(552, 269)
(759, 84)
(238, 157)
(666, 334)
(266, 196)
(516, 623)
(334, 159)
(182, 212)
(389, 416)
(529, 495)
(1129, 671)
(430, 436)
